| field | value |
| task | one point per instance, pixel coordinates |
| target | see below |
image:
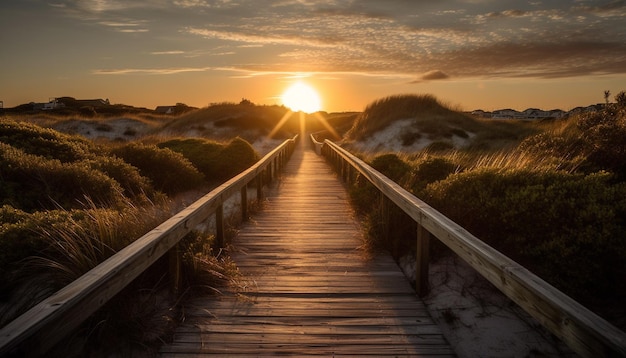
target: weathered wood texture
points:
(585, 332)
(310, 288)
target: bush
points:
(591, 141)
(134, 184)
(429, 171)
(214, 160)
(44, 251)
(565, 227)
(43, 142)
(235, 157)
(33, 183)
(21, 237)
(169, 171)
(391, 166)
(202, 153)
(605, 133)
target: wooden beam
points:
(422, 257)
(219, 226)
(244, 203)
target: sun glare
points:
(301, 97)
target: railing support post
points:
(423, 257)
(244, 203)
(384, 216)
(175, 269)
(259, 187)
(219, 226)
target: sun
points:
(301, 97)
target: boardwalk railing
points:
(582, 330)
(39, 329)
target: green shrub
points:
(235, 157)
(169, 171)
(44, 142)
(202, 269)
(134, 184)
(49, 249)
(391, 166)
(202, 153)
(605, 133)
(32, 183)
(216, 161)
(568, 228)
(21, 237)
(362, 195)
(591, 141)
(429, 171)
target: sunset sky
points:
(472, 54)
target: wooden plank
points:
(309, 289)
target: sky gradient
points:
(471, 54)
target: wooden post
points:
(384, 216)
(219, 226)
(422, 256)
(259, 187)
(341, 171)
(244, 203)
(175, 270)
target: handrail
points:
(40, 328)
(582, 330)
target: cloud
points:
(539, 59)
(150, 71)
(263, 37)
(398, 38)
(617, 8)
(215, 4)
(508, 13)
(175, 52)
(127, 27)
(432, 76)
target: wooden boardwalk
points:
(311, 290)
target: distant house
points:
(482, 114)
(51, 104)
(558, 113)
(93, 102)
(165, 109)
(534, 113)
(506, 114)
